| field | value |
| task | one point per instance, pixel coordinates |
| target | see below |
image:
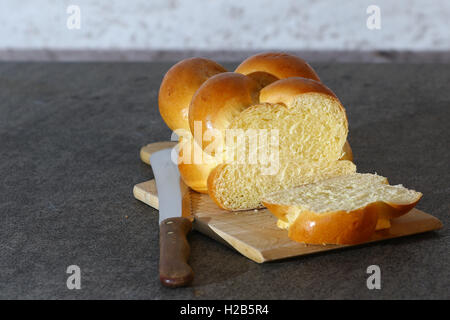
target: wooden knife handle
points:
(174, 270)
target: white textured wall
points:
(225, 25)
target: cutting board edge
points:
(146, 151)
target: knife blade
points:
(175, 221)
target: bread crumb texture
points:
(314, 127)
(242, 187)
(344, 193)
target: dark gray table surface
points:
(70, 136)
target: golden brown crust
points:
(348, 153)
(395, 210)
(285, 90)
(281, 211)
(195, 175)
(339, 227)
(278, 64)
(179, 85)
(263, 78)
(219, 100)
(383, 223)
(278, 210)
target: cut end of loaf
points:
(312, 128)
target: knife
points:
(175, 221)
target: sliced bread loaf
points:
(340, 210)
(311, 126)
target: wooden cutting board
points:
(254, 233)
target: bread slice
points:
(242, 187)
(340, 210)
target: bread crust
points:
(278, 210)
(395, 210)
(179, 85)
(263, 78)
(278, 64)
(285, 90)
(195, 175)
(219, 100)
(348, 153)
(338, 227)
